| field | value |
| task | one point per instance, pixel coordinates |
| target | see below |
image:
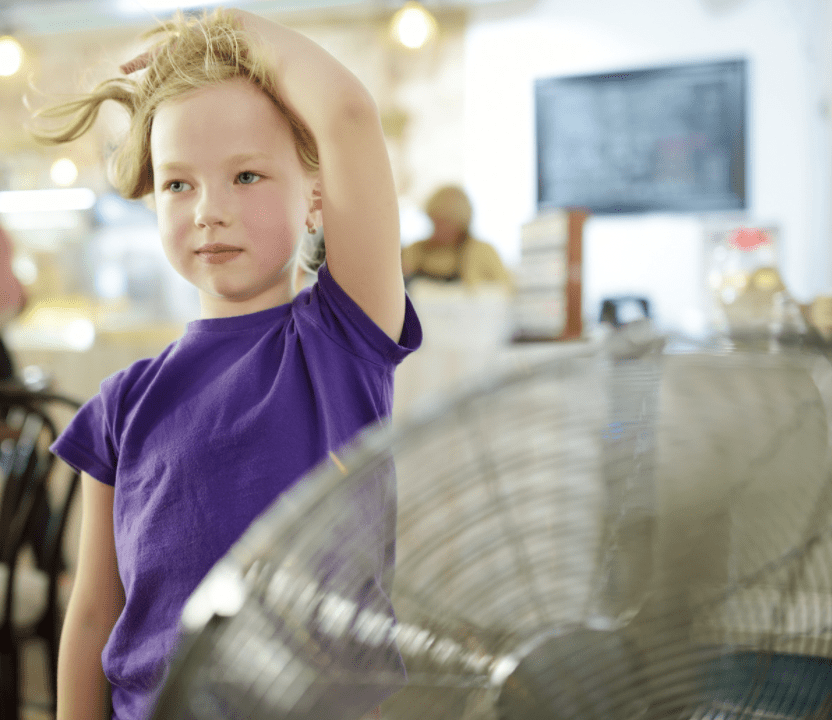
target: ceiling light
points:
(413, 26)
(63, 172)
(23, 201)
(11, 56)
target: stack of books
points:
(547, 304)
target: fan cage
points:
(518, 551)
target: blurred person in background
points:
(451, 254)
(12, 301)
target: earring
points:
(310, 223)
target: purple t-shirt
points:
(200, 440)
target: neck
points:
(215, 306)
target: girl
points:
(247, 134)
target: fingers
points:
(140, 62)
(137, 63)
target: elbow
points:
(96, 612)
(355, 108)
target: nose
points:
(213, 208)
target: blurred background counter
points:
(467, 333)
(77, 344)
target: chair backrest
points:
(25, 463)
(29, 514)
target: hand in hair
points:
(143, 60)
(140, 62)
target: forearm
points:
(311, 82)
(83, 689)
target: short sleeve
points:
(87, 443)
(345, 323)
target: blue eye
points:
(247, 177)
(177, 186)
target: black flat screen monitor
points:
(666, 139)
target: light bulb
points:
(63, 172)
(11, 56)
(413, 25)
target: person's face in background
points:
(446, 232)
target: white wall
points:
(658, 255)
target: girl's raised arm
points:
(358, 194)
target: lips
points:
(217, 248)
(218, 253)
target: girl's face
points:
(232, 198)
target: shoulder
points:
(483, 255)
(481, 249)
(415, 254)
(412, 256)
(137, 375)
(89, 442)
(416, 248)
(336, 320)
(120, 392)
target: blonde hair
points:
(192, 53)
(450, 202)
(311, 252)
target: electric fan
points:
(589, 536)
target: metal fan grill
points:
(585, 538)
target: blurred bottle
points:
(750, 298)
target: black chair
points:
(32, 518)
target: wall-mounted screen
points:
(650, 140)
